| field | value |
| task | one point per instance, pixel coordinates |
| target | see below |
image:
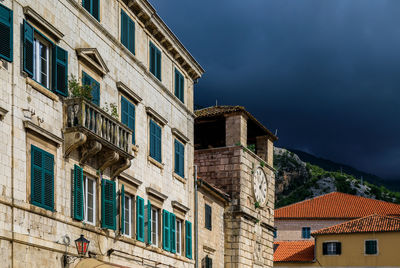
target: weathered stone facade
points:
(31, 236)
(248, 227)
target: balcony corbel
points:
(108, 159)
(119, 168)
(72, 141)
(90, 149)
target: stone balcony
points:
(100, 140)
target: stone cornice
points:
(156, 116)
(3, 113)
(47, 26)
(122, 87)
(155, 193)
(180, 135)
(130, 179)
(47, 134)
(177, 205)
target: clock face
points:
(260, 186)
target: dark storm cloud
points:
(324, 73)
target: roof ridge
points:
(307, 200)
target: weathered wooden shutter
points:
(28, 48)
(177, 83)
(166, 230)
(181, 160)
(152, 59)
(176, 157)
(152, 139)
(173, 232)
(78, 193)
(86, 4)
(139, 218)
(182, 88)
(122, 209)
(108, 204)
(60, 71)
(148, 222)
(124, 28)
(188, 239)
(6, 33)
(36, 176)
(158, 64)
(158, 142)
(96, 9)
(131, 35)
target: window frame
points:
(329, 251)
(87, 178)
(128, 206)
(376, 247)
(155, 229)
(206, 219)
(178, 236)
(39, 40)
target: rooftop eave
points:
(160, 31)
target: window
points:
(275, 233)
(371, 247)
(89, 194)
(179, 158)
(108, 204)
(45, 62)
(208, 217)
(128, 115)
(154, 226)
(127, 32)
(179, 86)
(93, 7)
(207, 262)
(331, 248)
(155, 141)
(87, 80)
(42, 178)
(155, 61)
(178, 236)
(127, 222)
(306, 232)
(6, 30)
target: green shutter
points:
(173, 232)
(131, 34)
(28, 48)
(88, 80)
(208, 217)
(139, 218)
(124, 28)
(42, 178)
(179, 85)
(78, 193)
(166, 231)
(86, 5)
(128, 115)
(179, 158)
(60, 71)
(96, 9)
(148, 222)
(152, 57)
(158, 64)
(6, 33)
(182, 88)
(108, 204)
(176, 157)
(158, 143)
(188, 239)
(122, 201)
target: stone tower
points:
(234, 152)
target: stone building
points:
(234, 152)
(116, 166)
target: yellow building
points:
(370, 241)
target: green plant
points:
(112, 109)
(256, 204)
(79, 91)
(252, 147)
(262, 163)
(238, 144)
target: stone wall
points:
(36, 230)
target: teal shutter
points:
(158, 64)
(28, 48)
(179, 85)
(60, 71)
(208, 217)
(88, 80)
(158, 142)
(124, 28)
(176, 83)
(42, 178)
(166, 230)
(139, 218)
(188, 239)
(128, 115)
(152, 139)
(108, 204)
(173, 232)
(176, 157)
(152, 57)
(6, 33)
(96, 9)
(148, 222)
(179, 159)
(182, 88)
(131, 35)
(122, 197)
(86, 4)
(78, 193)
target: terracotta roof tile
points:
(293, 251)
(372, 223)
(337, 206)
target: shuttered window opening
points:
(188, 239)
(126, 214)
(88, 80)
(93, 7)
(43, 61)
(331, 248)
(179, 85)
(108, 204)
(127, 32)
(139, 218)
(155, 223)
(172, 235)
(155, 61)
(208, 217)
(155, 141)
(6, 33)
(89, 194)
(178, 236)
(42, 178)
(207, 262)
(128, 115)
(306, 232)
(179, 158)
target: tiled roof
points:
(214, 111)
(293, 251)
(213, 187)
(372, 223)
(337, 206)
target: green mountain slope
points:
(297, 180)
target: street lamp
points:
(82, 245)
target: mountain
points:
(300, 176)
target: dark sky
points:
(326, 74)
